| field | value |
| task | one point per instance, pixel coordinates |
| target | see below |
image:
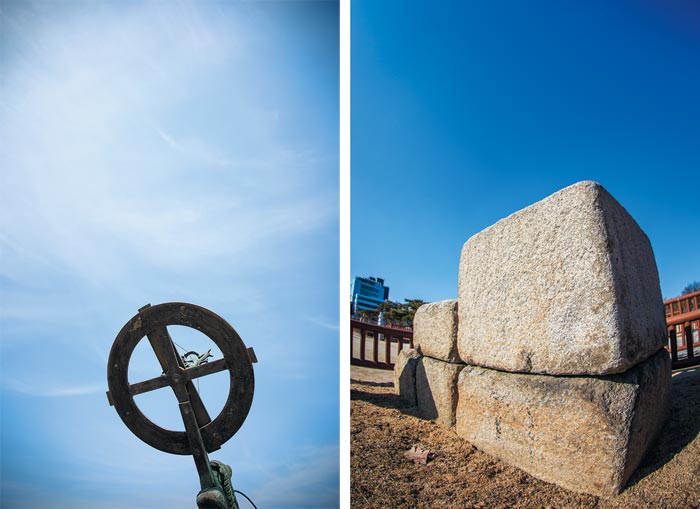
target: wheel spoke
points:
(206, 369)
(163, 346)
(163, 381)
(198, 407)
(169, 359)
(237, 362)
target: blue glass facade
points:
(368, 293)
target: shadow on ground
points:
(382, 399)
(371, 384)
(682, 427)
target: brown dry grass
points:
(382, 427)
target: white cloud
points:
(308, 482)
(140, 164)
(32, 389)
(90, 161)
(197, 150)
(331, 325)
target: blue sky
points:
(156, 152)
(465, 112)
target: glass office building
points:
(368, 293)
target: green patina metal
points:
(220, 496)
(223, 474)
(193, 359)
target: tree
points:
(690, 288)
(395, 313)
(412, 306)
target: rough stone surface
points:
(436, 390)
(587, 434)
(435, 330)
(568, 285)
(405, 374)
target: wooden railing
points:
(683, 321)
(683, 307)
(377, 346)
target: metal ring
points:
(242, 382)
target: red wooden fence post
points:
(375, 347)
(387, 348)
(363, 334)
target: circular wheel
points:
(152, 322)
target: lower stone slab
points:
(436, 390)
(586, 434)
(405, 374)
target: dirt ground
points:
(382, 427)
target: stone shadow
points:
(382, 399)
(408, 381)
(682, 427)
(371, 384)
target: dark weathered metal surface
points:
(164, 381)
(251, 354)
(174, 367)
(206, 369)
(152, 321)
(201, 458)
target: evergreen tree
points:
(691, 288)
(395, 313)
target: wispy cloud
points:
(197, 150)
(34, 389)
(83, 188)
(310, 482)
(168, 139)
(331, 325)
(157, 152)
(116, 187)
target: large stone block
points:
(568, 285)
(405, 374)
(435, 330)
(587, 434)
(436, 390)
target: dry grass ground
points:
(460, 476)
